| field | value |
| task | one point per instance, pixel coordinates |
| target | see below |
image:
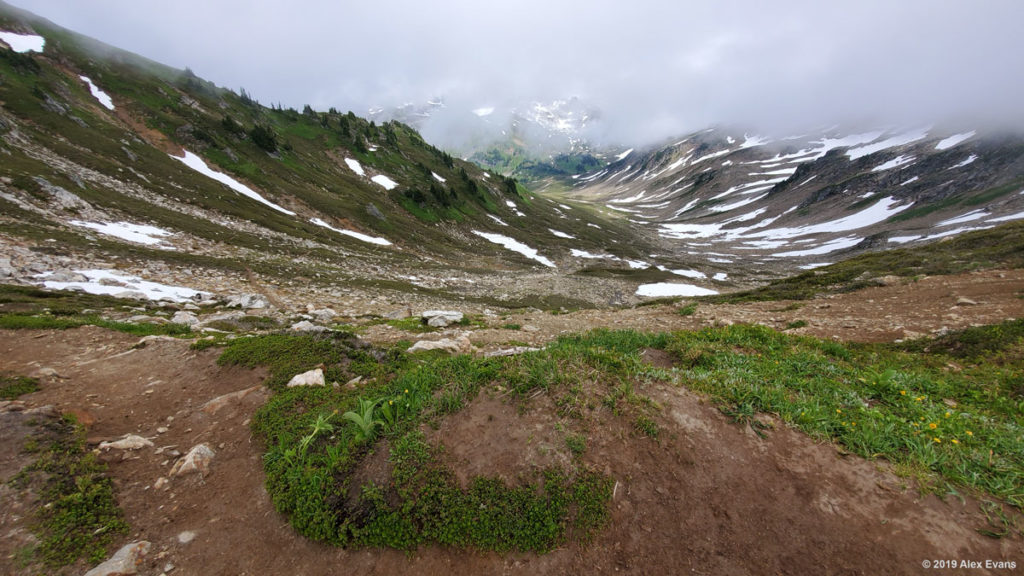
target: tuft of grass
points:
(576, 443)
(62, 322)
(646, 426)
(511, 326)
(12, 386)
(77, 516)
(796, 324)
(688, 310)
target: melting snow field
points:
(22, 43)
(384, 181)
(355, 166)
(98, 94)
(665, 289)
(561, 234)
(356, 235)
(196, 163)
(132, 285)
(894, 163)
(515, 246)
(953, 140)
(138, 233)
(438, 177)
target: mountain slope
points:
(749, 202)
(101, 144)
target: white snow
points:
(973, 215)
(485, 111)
(352, 233)
(662, 289)
(196, 163)
(730, 139)
(1016, 216)
(695, 274)
(905, 239)
(384, 181)
(751, 141)
(438, 177)
(825, 248)
(515, 246)
(22, 43)
(624, 154)
(814, 265)
(877, 213)
(953, 140)
(710, 156)
(510, 204)
(355, 166)
(637, 264)
(151, 290)
(966, 161)
(498, 220)
(720, 277)
(585, 254)
(894, 163)
(720, 260)
(138, 233)
(898, 140)
(561, 234)
(912, 180)
(565, 207)
(98, 94)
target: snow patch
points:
(953, 140)
(22, 43)
(561, 234)
(498, 220)
(898, 140)
(485, 111)
(384, 181)
(138, 233)
(973, 215)
(515, 246)
(894, 163)
(132, 284)
(98, 94)
(1016, 216)
(966, 161)
(825, 248)
(196, 163)
(438, 177)
(912, 180)
(355, 166)
(665, 289)
(695, 274)
(720, 277)
(624, 154)
(352, 233)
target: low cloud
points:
(655, 69)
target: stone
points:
(398, 314)
(441, 318)
(314, 377)
(460, 345)
(160, 483)
(513, 351)
(965, 302)
(307, 326)
(248, 301)
(128, 442)
(124, 561)
(186, 318)
(529, 328)
(197, 460)
(186, 536)
(215, 405)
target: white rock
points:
(186, 536)
(307, 326)
(197, 460)
(125, 561)
(513, 351)
(314, 377)
(129, 442)
(460, 345)
(186, 318)
(441, 318)
(248, 301)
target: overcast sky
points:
(654, 68)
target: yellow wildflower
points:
(955, 441)
(969, 433)
(933, 425)
(390, 402)
(937, 440)
(838, 411)
(903, 392)
(948, 414)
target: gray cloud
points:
(655, 69)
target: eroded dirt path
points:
(708, 497)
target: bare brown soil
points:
(708, 497)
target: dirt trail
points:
(710, 497)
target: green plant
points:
(688, 310)
(12, 386)
(364, 421)
(796, 324)
(576, 443)
(646, 426)
(511, 326)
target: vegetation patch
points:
(899, 402)
(12, 386)
(321, 440)
(77, 517)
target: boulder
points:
(124, 561)
(441, 318)
(513, 351)
(314, 377)
(186, 318)
(196, 461)
(248, 301)
(215, 405)
(307, 326)
(460, 345)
